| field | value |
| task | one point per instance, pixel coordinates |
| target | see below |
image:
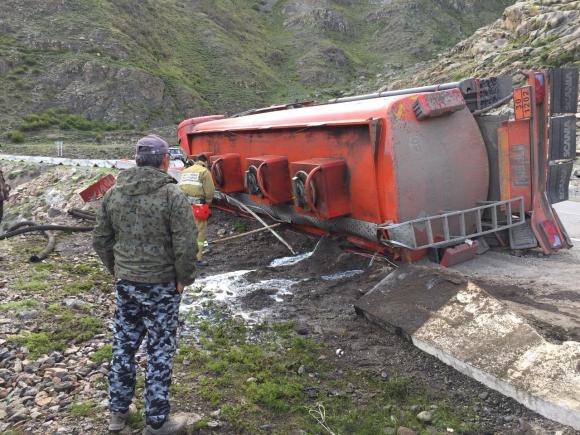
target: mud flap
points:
(563, 137)
(563, 90)
(559, 181)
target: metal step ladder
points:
(453, 227)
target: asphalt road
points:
(569, 212)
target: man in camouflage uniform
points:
(197, 183)
(146, 239)
(4, 193)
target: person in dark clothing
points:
(145, 237)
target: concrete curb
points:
(468, 329)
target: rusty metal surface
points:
(286, 213)
(440, 164)
(488, 125)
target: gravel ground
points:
(47, 395)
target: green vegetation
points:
(82, 409)
(105, 353)
(240, 227)
(64, 120)
(86, 278)
(36, 281)
(62, 327)
(21, 305)
(30, 284)
(136, 420)
(16, 136)
(268, 375)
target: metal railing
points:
(454, 226)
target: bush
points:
(65, 121)
(16, 136)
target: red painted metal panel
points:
(514, 161)
(327, 178)
(226, 172)
(458, 254)
(271, 177)
(98, 189)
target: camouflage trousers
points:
(152, 310)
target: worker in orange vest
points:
(197, 183)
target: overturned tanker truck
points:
(402, 172)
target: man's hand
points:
(179, 287)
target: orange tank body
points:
(399, 168)
(406, 170)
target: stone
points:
(30, 392)
(43, 399)
(64, 386)
(425, 416)
(71, 350)
(402, 430)
(53, 212)
(57, 372)
(73, 303)
(17, 366)
(27, 315)
(301, 328)
(301, 370)
(484, 395)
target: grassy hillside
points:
(144, 63)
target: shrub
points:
(65, 121)
(16, 136)
(105, 353)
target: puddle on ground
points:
(290, 261)
(230, 289)
(250, 301)
(342, 275)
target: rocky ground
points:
(529, 34)
(274, 350)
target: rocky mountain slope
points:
(529, 34)
(154, 62)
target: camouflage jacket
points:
(4, 188)
(145, 229)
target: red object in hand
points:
(201, 212)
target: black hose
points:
(83, 214)
(50, 245)
(9, 234)
(20, 225)
(492, 106)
